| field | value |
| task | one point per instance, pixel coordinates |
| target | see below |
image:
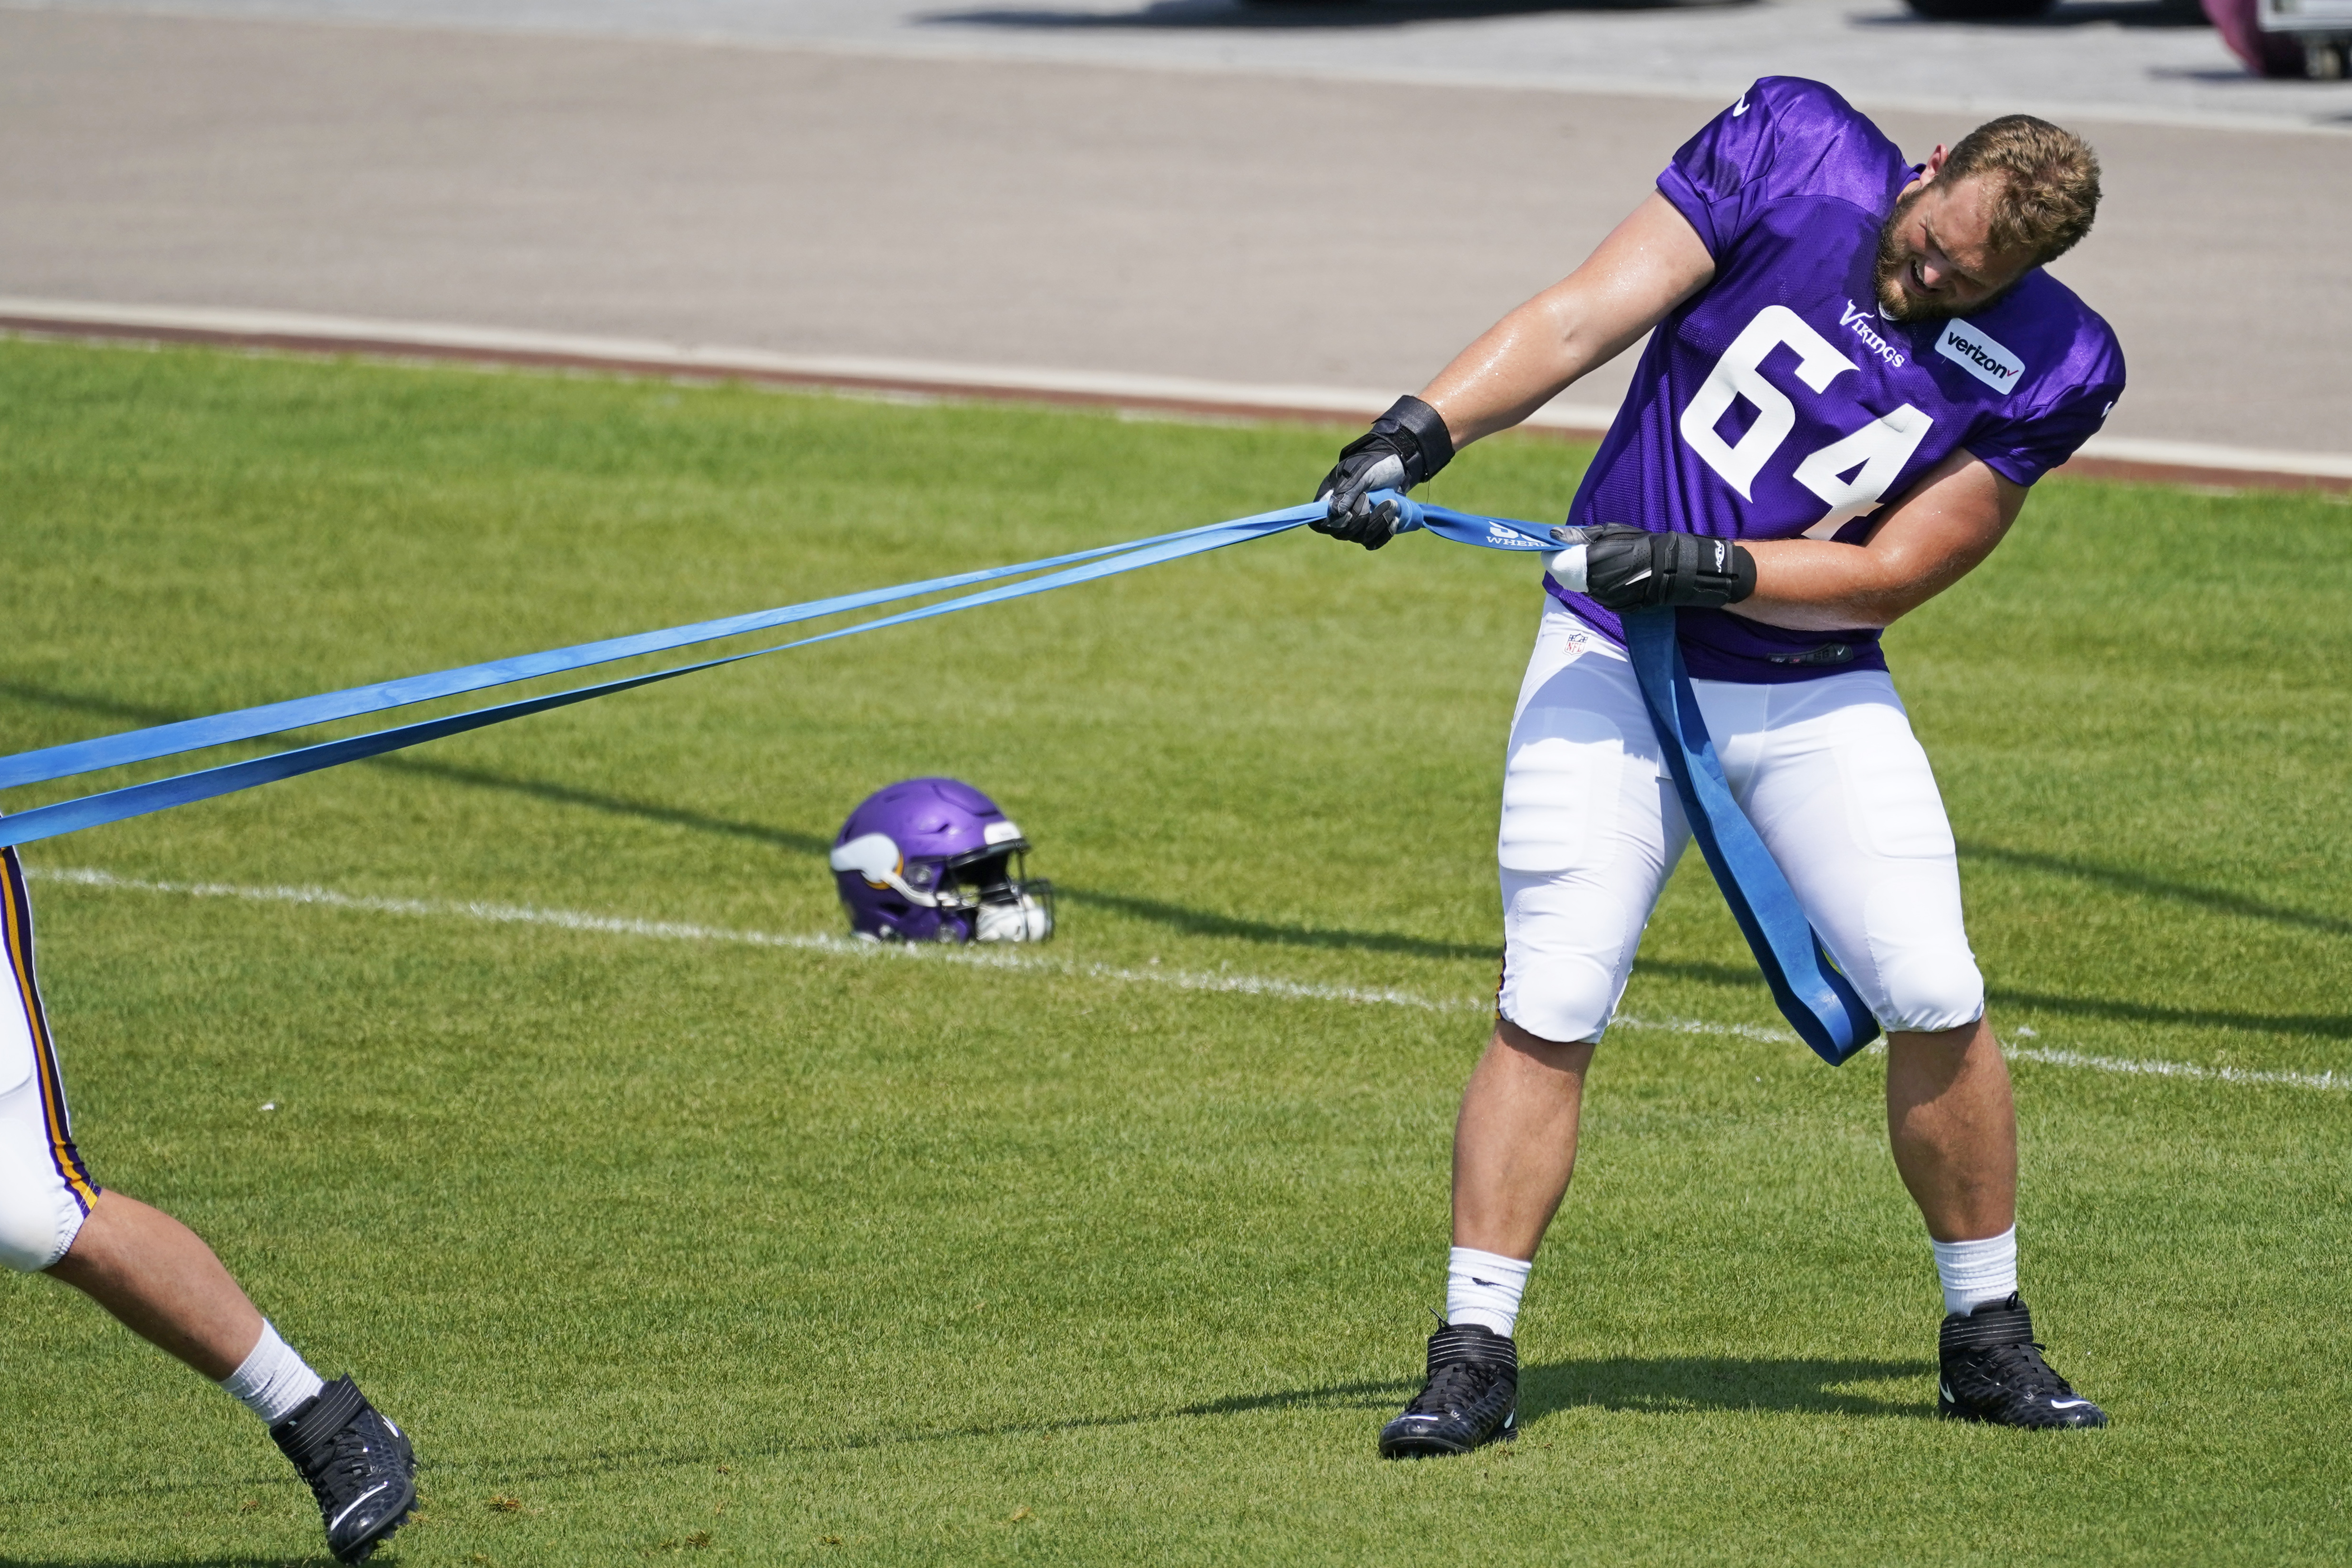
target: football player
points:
(160, 1280)
(1856, 370)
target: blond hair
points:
(2045, 182)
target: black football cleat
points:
(1472, 1396)
(358, 1465)
(1994, 1372)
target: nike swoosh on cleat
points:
(1946, 1390)
(2067, 1404)
(380, 1486)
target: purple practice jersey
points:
(1778, 402)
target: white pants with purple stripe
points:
(1827, 770)
(45, 1193)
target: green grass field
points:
(679, 1246)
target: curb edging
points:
(285, 332)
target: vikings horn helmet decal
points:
(933, 859)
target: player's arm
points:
(1923, 543)
(1919, 547)
(1649, 264)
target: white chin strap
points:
(875, 857)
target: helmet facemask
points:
(995, 896)
(984, 894)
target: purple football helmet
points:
(933, 859)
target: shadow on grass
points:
(435, 1474)
(1658, 1385)
(1208, 923)
(2146, 886)
(1387, 1394)
(322, 1559)
(612, 805)
(2319, 1026)
(1665, 1384)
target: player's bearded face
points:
(1895, 256)
(1917, 280)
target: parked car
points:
(2287, 37)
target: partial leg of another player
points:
(163, 1283)
(160, 1281)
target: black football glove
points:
(1633, 568)
(1405, 446)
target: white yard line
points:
(679, 931)
(1182, 979)
(2180, 1069)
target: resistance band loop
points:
(1815, 997)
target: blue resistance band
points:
(247, 724)
(1816, 998)
(180, 789)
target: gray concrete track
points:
(2127, 59)
(1236, 227)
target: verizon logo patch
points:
(1978, 355)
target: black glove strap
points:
(1432, 443)
(1706, 571)
(1415, 432)
(1627, 568)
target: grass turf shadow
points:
(2320, 1026)
(1652, 1385)
(242, 1560)
(1663, 1386)
(1668, 1384)
(1209, 922)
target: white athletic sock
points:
(1483, 1287)
(1975, 1272)
(273, 1382)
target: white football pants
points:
(1827, 770)
(45, 1193)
